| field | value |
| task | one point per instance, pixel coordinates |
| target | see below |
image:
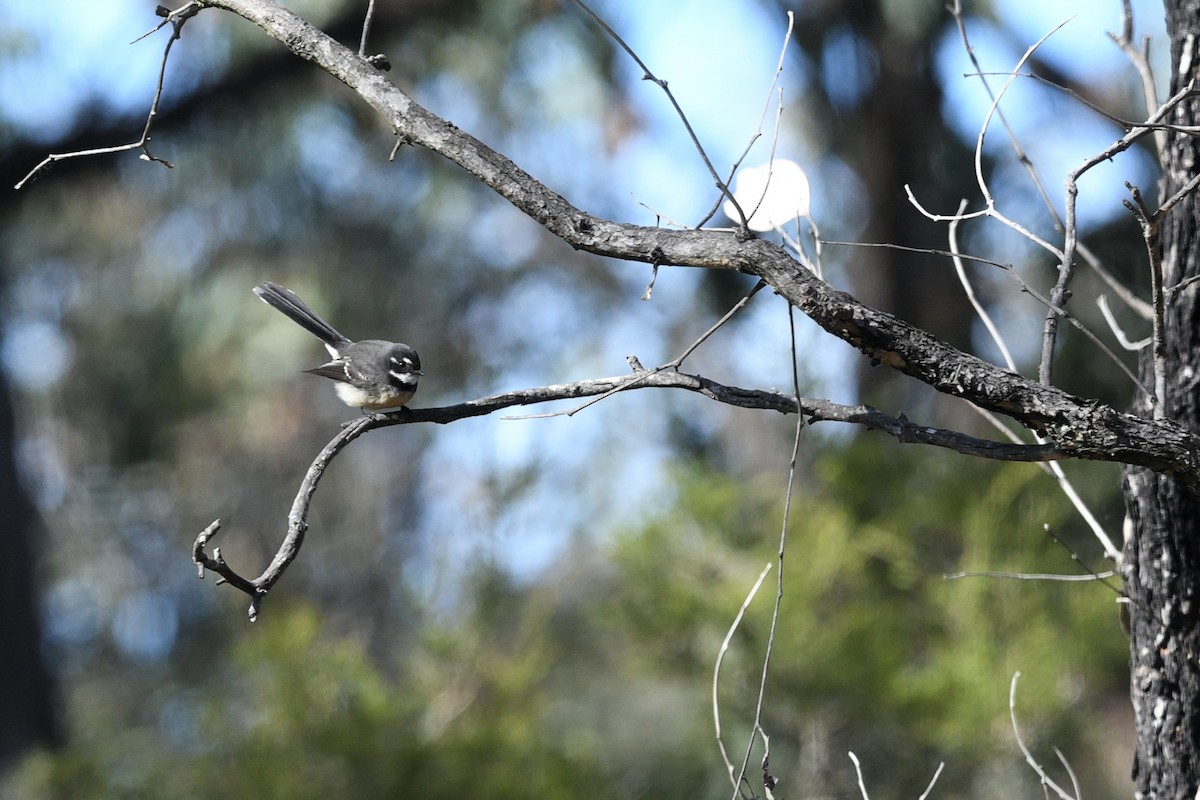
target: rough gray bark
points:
(1162, 554)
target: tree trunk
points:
(26, 690)
(1162, 554)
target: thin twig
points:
(811, 410)
(1152, 122)
(989, 211)
(647, 75)
(936, 774)
(177, 19)
(1065, 255)
(1115, 327)
(1070, 772)
(1148, 221)
(770, 160)
(258, 587)
(814, 264)
(1183, 192)
(1061, 290)
(1136, 304)
(1089, 518)
(737, 620)
(1018, 151)
(815, 410)
(980, 311)
(787, 38)
(931, 251)
(1056, 471)
(1183, 284)
(1032, 576)
(366, 28)
(379, 60)
(640, 376)
(994, 110)
(1140, 58)
(1047, 782)
(783, 535)
(1075, 557)
(862, 787)
(1025, 288)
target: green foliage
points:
(897, 663)
(595, 681)
(301, 712)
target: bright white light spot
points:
(773, 195)
(35, 354)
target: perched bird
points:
(373, 375)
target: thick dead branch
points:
(1078, 427)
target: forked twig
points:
(994, 110)
(1122, 291)
(787, 38)
(641, 375)
(1060, 293)
(1140, 58)
(177, 19)
(1071, 244)
(258, 587)
(1149, 221)
(1047, 782)
(737, 620)
(1018, 151)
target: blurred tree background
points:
(502, 608)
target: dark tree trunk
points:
(26, 708)
(1162, 564)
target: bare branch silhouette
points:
(813, 410)
(176, 19)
